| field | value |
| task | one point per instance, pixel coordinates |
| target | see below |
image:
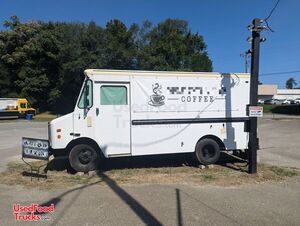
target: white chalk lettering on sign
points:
(37, 153)
(35, 144)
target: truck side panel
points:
(179, 138)
(170, 114)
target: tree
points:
(23, 60)
(290, 83)
(44, 61)
(120, 47)
(171, 45)
(76, 53)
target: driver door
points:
(112, 119)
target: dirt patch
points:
(227, 175)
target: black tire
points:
(207, 151)
(84, 158)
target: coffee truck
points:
(133, 113)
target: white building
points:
(266, 92)
(287, 94)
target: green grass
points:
(208, 177)
(267, 108)
(285, 172)
(44, 117)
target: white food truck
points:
(134, 113)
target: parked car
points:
(260, 101)
(269, 101)
(277, 101)
(288, 101)
(297, 101)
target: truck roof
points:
(103, 72)
(12, 98)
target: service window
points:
(113, 95)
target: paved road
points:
(263, 204)
(113, 204)
(280, 141)
(11, 134)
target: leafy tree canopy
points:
(44, 61)
(290, 83)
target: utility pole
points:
(246, 57)
(253, 140)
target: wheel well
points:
(85, 140)
(215, 138)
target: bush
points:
(286, 109)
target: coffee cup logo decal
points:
(156, 99)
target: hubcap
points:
(85, 156)
(208, 152)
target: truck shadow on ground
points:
(140, 210)
(145, 216)
(154, 161)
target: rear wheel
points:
(207, 151)
(83, 158)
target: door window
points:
(86, 98)
(113, 95)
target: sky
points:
(223, 24)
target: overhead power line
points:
(268, 17)
(280, 73)
(270, 14)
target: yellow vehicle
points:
(15, 108)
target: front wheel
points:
(207, 151)
(83, 158)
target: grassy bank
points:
(44, 117)
(218, 175)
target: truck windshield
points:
(86, 97)
(23, 105)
